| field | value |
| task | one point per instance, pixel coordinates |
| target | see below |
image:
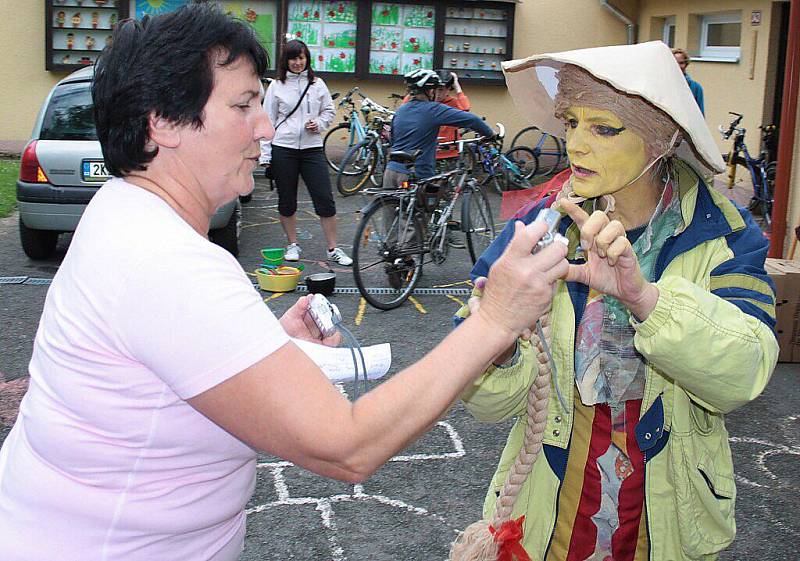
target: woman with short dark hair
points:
(300, 106)
(157, 371)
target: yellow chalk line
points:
(459, 283)
(417, 305)
(454, 299)
(362, 307)
(272, 221)
(274, 296)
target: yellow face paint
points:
(604, 155)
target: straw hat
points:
(647, 70)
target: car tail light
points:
(29, 170)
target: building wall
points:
(741, 86)
(540, 26)
(24, 83)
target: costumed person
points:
(663, 325)
(149, 395)
(683, 59)
(300, 106)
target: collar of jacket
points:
(293, 77)
(707, 215)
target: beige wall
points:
(24, 83)
(745, 87)
(540, 26)
(726, 86)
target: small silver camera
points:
(552, 218)
(324, 314)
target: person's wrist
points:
(507, 357)
(644, 303)
(494, 326)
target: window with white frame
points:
(720, 36)
(668, 33)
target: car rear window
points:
(69, 114)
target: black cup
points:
(321, 283)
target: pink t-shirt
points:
(107, 461)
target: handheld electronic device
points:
(324, 314)
(552, 218)
(328, 320)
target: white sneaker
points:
(339, 256)
(292, 252)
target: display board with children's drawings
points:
(329, 30)
(402, 37)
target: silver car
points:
(62, 168)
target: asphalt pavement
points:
(413, 507)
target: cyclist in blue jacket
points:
(416, 125)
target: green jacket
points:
(710, 348)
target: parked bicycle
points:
(339, 139)
(366, 160)
(401, 229)
(503, 171)
(762, 171)
(548, 149)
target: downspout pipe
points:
(622, 17)
(786, 136)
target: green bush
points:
(9, 172)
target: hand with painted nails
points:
(611, 265)
(474, 303)
(521, 285)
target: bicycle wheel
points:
(476, 221)
(356, 168)
(526, 161)
(387, 254)
(547, 148)
(379, 168)
(336, 144)
(770, 170)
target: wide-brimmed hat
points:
(647, 70)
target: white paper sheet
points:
(337, 362)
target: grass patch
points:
(9, 172)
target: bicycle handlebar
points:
(733, 127)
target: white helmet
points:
(421, 80)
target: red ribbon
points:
(508, 539)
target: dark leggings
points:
(288, 164)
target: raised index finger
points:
(578, 215)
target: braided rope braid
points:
(477, 543)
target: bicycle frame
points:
(494, 162)
(539, 152)
(758, 167)
(434, 222)
(759, 177)
(359, 129)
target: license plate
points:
(94, 170)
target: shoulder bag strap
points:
(299, 101)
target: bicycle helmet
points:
(421, 80)
(446, 77)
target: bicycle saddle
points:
(404, 157)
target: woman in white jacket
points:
(300, 106)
